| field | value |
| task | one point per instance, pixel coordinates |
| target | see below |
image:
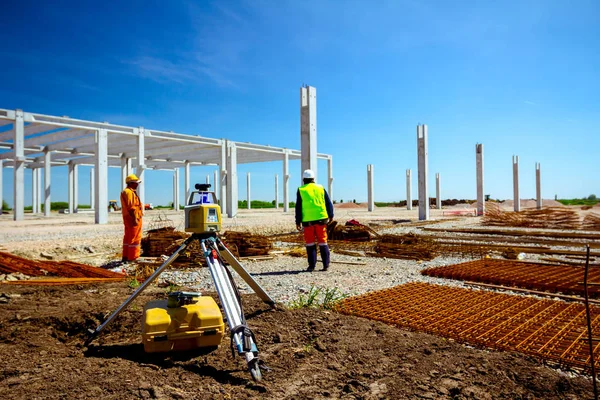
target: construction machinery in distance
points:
(188, 321)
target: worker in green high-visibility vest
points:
(313, 211)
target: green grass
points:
(578, 202)
(261, 204)
(318, 298)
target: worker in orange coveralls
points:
(132, 210)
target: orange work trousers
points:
(315, 234)
(132, 241)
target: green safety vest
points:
(313, 202)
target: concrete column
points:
(208, 179)
(71, 188)
(1, 193)
(480, 191)
(515, 160)
(422, 170)
(232, 184)
(177, 191)
(538, 185)
(101, 212)
(75, 188)
(92, 187)
(141, 166)
(223, 177)
(330, 177)
(276, 191)
(34, 193)
(408, 189)
(186, 178)
(216, 181)
(124, 170)
(370, 187)
(175, 200)
(248, 190)
(438, 195)
(38, 195)
(308, 129)
(19, 167)
(47, 186)
(286, 180)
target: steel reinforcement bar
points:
(548, 329)
(565, 279)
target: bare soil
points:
(311, 353)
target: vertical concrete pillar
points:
(422, 170)
(480, 186)
(19, 167)
(408, 189)
(101, 212)
(38, 189)
(124, 170)
(186, 178)
(276, 191)
(47, 186)
(141, 166)
(223, 177)
(92, 187)
(286, 181)
(1, 193)
(71, 188)
(538, 185)
(438, 193)
(34, 194)
(176, 189)
(308, 129)
(75, 188)
(232, 183)
(330, 177)
(216, 181)
(515, 160)
(371, 203)
(248, 190)
(208, 179)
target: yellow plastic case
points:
(188, 327)
(202, 218)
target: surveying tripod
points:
(217, 255)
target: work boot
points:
(311, 254)
(325, 255)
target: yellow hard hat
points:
(132, 178)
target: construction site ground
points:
(311, 353)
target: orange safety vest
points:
(131, 206)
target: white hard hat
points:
(308, 174)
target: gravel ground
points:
(283, 277)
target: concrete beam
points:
(517, 200)
(423, 159)
(480, 182)
(308, 129)
(101, 211)
(370, 184)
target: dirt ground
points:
(311, 354)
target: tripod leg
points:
(139, 290)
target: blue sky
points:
(521, 77)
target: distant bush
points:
(578, 202)
(261, 204)
(5, 206)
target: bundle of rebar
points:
(244, 244)
(355, 233)
(551, 217)
(591, 222)
(159, 241)
(408, 247)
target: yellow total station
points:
(202, 213)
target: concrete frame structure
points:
(538, 185)
(480, 186)
(438, 193)
(408, 189)
(41, 141)
(422, 170)
(515, 162)
(286, 181)
(370, 184)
